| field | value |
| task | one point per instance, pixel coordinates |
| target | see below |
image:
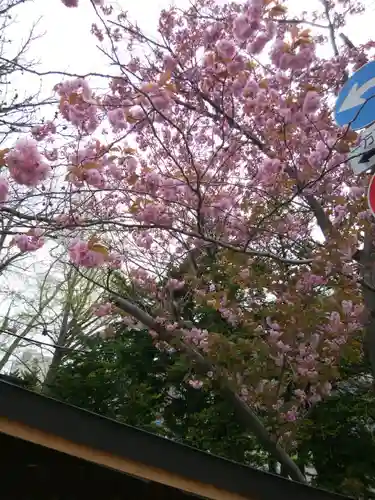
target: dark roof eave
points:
(88, 429)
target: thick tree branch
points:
(201, 364)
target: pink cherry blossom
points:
(347, 306)
(291, 415)
(257, 45)
(26, 164)
(29, 242)
(115, 260)
(94, 178)
(196, 384)
(102, 309)
(4, 189)
(226, 49)
(40, 132)
(117, 119)
(170, 62)
(311, 103)
(77, 104)
(243, 28)
(81, 255)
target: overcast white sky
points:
(67, 44)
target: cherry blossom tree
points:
(216, 140)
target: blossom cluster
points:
(26, 164)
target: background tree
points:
(22, 275)
(60, 315)
(27, 313)
(127, 378)
(338, 439)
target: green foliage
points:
(121, 378)
(128, 379)
(338, 438)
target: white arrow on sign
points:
(354, 98)
(362, 157)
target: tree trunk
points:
(367, 261)
(49, 381)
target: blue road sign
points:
(355, 104)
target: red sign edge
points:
(371, 187)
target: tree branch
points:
(244, 412)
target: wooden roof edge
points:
(88, 429)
